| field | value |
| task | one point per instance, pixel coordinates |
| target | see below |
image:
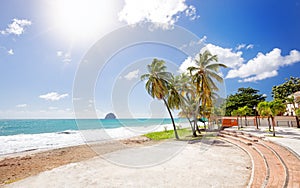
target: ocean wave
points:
(28, 142)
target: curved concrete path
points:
(201, 164)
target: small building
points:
(290, 108)
(229, 121)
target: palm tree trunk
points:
(241, 119)
(238, 122)
(197, 128)
(297, 121)
(269, 123)
(193, 129)
(170, 113)
(246, 121)
(273, 124)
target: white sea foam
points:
(27, 142)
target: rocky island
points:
(110, 116)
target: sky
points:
(84, 58)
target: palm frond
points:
(145, 76)
(215, 76)
(215, 66)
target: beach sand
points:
(21, 165)
(198, 164)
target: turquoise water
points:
(36, 126)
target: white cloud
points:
(131, 75)
(59, 53)
(261, 76)
(10, 52)
(226, 55)
(17, 27)
(64, 56)
(264, 65)
(249, 46)
(191, 12)
(53, 96)
(240, 46)
(188, 62)
(244, 46)
(194, 44)
(162, 13)
(21, 105)
(52, 108)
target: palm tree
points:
(277, 107)
(158, 86)
(186, 91)
(244, 111)
(203, 76)
(237, 113)
(271, 109)
(263, 109)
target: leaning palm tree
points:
(189, 102)
(204, 75)
(158, 86)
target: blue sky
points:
(43, 44)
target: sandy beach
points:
(24, 164)
(192, 165)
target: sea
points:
(20, 135)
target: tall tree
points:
(190, 101)
(237, 113)
(263, 109)
(245, 111)
(158, 86)
(297, 112)
(277, 107)
(204, 75)
(284, 90)
(244, 97)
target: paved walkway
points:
(285, 136)
(281, 154)
(199, 164)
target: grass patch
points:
(267, 130)
(11, 181)
(168, 134)
(184, 134)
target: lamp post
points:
(254, 108)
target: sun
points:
(81, 19)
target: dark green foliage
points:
(284, 90)
(297, 111)
(244, 97)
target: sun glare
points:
(81, 19)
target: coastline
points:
(19, 165)
(13, 145)
(46, 151)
